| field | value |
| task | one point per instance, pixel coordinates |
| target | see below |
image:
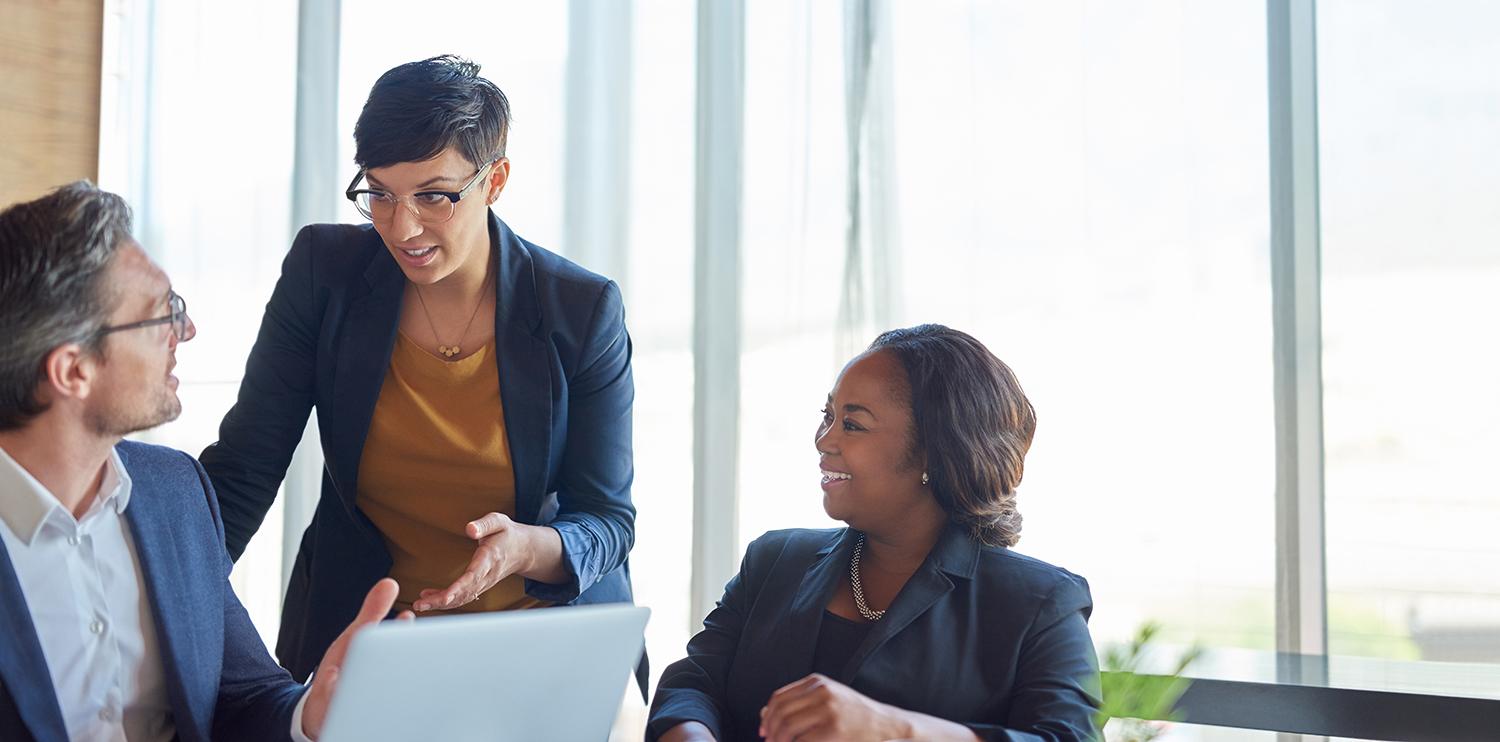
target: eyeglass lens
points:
(382, 207)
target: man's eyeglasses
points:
(178, 318)
(430, 207)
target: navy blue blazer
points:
(221, 682)
(979, 635)
(325, 343)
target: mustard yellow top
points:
(435, 458)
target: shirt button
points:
(73, 540)
(96, 626)
(107, 714)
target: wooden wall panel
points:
(50, 53)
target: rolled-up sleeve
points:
(595, 516)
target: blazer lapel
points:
(799, 633)
(170, 597)
(23, 667)
(366, 339)
(953, 554)
(525, 370)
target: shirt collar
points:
(25, 503)
(117, 484)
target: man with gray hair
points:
(116, 616)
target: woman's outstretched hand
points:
(505, 548)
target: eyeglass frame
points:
(178, 318)
(453, 197)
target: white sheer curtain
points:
(200, 140)
(872, 256)
(1084, 188)
(1080, 185)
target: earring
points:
(924, 479)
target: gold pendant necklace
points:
(449, 351)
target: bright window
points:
(1409, 107)
(1082, 187)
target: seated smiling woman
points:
(917, 621)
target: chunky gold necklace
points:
(859, 591)
(449, 351)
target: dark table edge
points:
(1339, 712)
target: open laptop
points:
(546, 674)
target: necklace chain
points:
(859, 591)
(449, 351)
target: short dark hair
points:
(973, 423)
(53, 255)
(417, 110)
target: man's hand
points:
(378, 603)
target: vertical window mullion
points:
(597, 156)
(1301, 583)
(716, 299)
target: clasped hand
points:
(820, 708)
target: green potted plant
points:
(1137, 704)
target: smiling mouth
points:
(419, 253)
(835, 476)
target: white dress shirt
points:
(83, 586)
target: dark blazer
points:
(979, 635)
(221, 682)
(325, 343)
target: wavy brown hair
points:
(972, 422)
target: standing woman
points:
(473, 390)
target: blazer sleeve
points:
(1057, 692)
(256, 696)
(695, 688)
(595, 517)
(259, 434)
